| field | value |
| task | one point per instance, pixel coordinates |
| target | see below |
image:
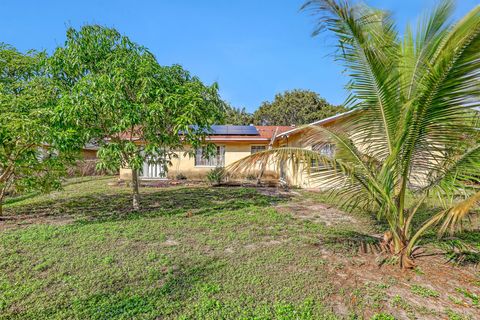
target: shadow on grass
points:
(154, 202)
(351, 241)
(20, 198)
(161, 300)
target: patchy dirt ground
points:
(368, 287)
(317, 212)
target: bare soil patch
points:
(365, 285)
(316, 212)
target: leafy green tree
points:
(237, 116)
(33, 149)
(415, 133)
(115, 92)
(295, 107)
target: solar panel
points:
(243, 130)
(227, 130)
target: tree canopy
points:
(116, 93)
(295, 107)
(34, 150)
(237, 116)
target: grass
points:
(191, 253)
(424, 292)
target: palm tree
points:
(415, 130)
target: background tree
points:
(33, 150)
(116, 93)
(416, 130)
(295, 107)
(237, 116)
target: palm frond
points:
(431, 30)
(454, 216)
(456, 172)
(441, 114)
(369, 49)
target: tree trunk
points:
(2, 195)
(396, 245)
(136, 194)
(260, 175)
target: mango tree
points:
(117, 95)
(34, 150)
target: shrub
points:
(181, 176)
(216, 176)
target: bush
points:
(216, 176)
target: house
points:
(232, 143)
(297, 137)
(236, 142)
(89, 152)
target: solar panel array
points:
(234, 130)
(230, 130)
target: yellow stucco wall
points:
(301, 178)
(185, 164)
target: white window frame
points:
(257, 145)
(219, 158)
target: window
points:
(327, 150)
(255, 149)
(216, 160)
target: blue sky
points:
(253, 49)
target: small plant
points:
(455, 300)
(382, 316)
(216, 176)
(181, 176)
(470, 295)
(424, 292)
(452, 315)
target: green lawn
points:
(203, 253)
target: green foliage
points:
(216, 176)
(295, 107)
(237, 116)
(34, 150)
(116, 93)
(423, 291)
(452, 315)
(382, 316)
(474, 298)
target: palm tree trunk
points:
(136, 194)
